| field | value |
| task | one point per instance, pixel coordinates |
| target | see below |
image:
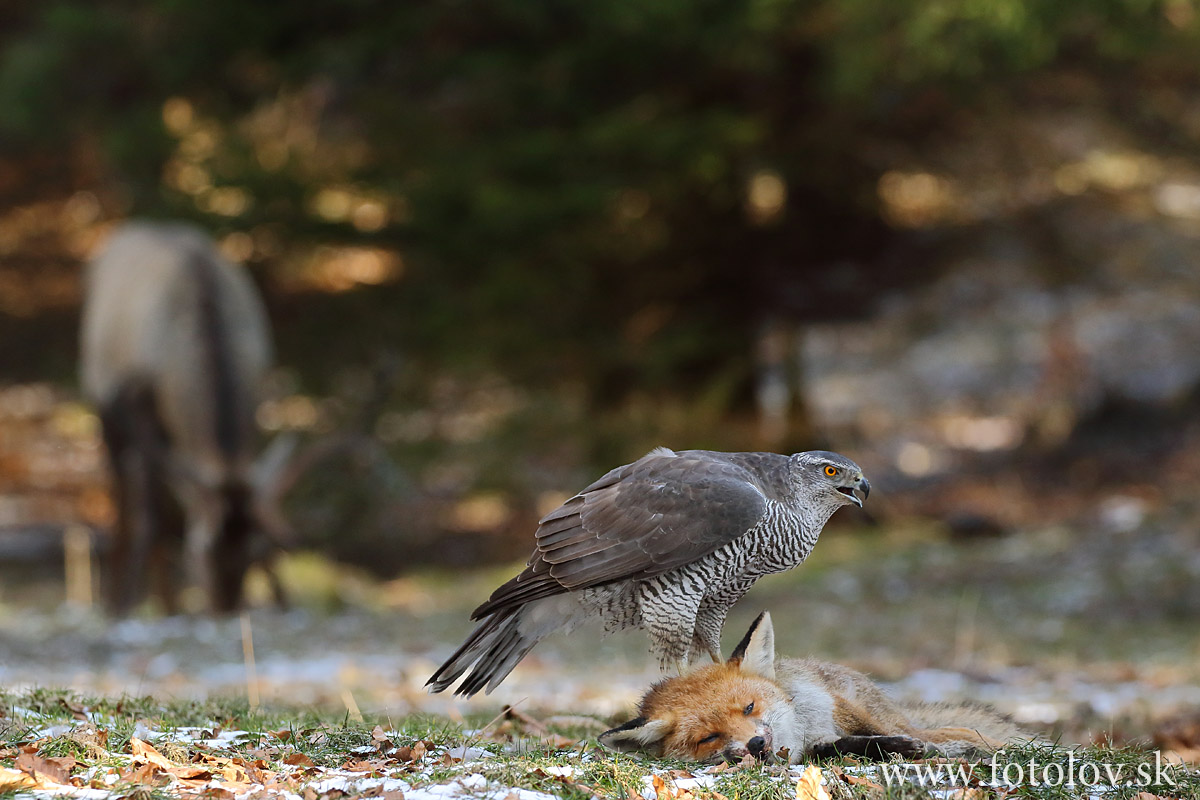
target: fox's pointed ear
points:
(637, 735)
(755, 654)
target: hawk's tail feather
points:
(494, 648)
(469, 652)
(509, 647)
(513, 595)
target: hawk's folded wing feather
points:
(659, 513)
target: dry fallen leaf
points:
(372, 767)
(146, 773)
(13, 779)
(298, 760)
(668, 791)
(529, 722)
(78, 711)
(145, 753)
(57, 769)
(853, 780)
(809, 787)
(263, 753)
(407, 754)
(856, 780)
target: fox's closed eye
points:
(712, 737)
(749, 709)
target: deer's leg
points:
(142, 524)
(234, 547)
(165, 565)
(138, 448)
(116, 441)
(131, 472)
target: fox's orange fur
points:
(753, 704)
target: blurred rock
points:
(992, 354)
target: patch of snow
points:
(558, 772)
(343, 783)
(144, 732)
(681, 784)
(198, 736)
(68, 791)
(473, 785)
(469, 754)
(699, 782)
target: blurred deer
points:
(175, 344)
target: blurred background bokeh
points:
(507, 245)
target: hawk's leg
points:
(669, 617)
(706, 639)
(710, 619)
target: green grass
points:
(520, 758)
(891, 600)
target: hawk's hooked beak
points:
(862, 485)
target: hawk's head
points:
(831, 476)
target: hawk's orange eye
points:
(831, 471)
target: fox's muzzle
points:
(759, 746)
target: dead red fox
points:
(753, 704)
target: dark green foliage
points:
(574, 174)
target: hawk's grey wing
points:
(659, 513)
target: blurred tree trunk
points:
(783, 420)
